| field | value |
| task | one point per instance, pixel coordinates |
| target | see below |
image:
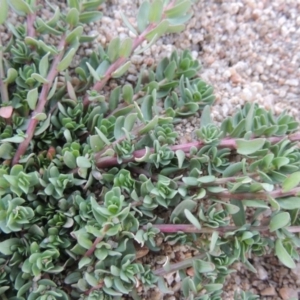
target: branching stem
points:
(41, 102)
(105, 162)
(188, 228)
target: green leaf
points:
(156, 10)
(130, 121)
(90, 16)
(20, 6)
(206, 179)
(72, 17)
(179, 209)
(114, 49)
(213, 241)
(180, 157)
(283, 255)
(127, 92)
(75, 33)
(202, 266)
(158, 31)
(84, 261)
(233, 169)
(179, 9)
(40, 117)
(239, 218)
(14, 139)
(143, 16)
(291, 181)
(102, 136)
(53, 89)
(11, 75)
(245, 147)
(6, 151)
(91, 280)
(4, 288)
(121, 70)
(43, 126)
(72, 278)
(114, 98)
(83, 162)
(150, 125)
(32, 97)
(279, 221)
(289, 203)
(3, 11)
(192, 219)
(44, 65)
(255, 203)
(250, 118)
(146, 107)
(66, 61)
(43, 27)
(118, 132)
(162, 286)
(39, 78)
(128, 24)
(5, 246)
(125, 48)
(206, 117)
(93, 72)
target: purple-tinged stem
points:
(3, 85)
(120, 61)
(117, 64)
(173, 228)
(106, 162)
(41, 103)
(30, 25)
(279, 193)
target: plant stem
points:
(173, 228)
(98, 86)
(41, 102)
(105, 162)
(3, 86)
(30, 25)
(96, 242)
(177, 266)
(279, 193)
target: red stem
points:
(41, 103)
(173, 228)
(230, 143)
(30, 25)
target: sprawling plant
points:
(90, 178)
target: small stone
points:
(269, 291)
(296, 271)
(246, 94)
(259, 68)
(292, 82)
(288, 293)
(262, 273)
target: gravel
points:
(250, 51)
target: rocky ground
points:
(250, 51)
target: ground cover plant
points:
(89, 178)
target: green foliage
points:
(89, 177)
